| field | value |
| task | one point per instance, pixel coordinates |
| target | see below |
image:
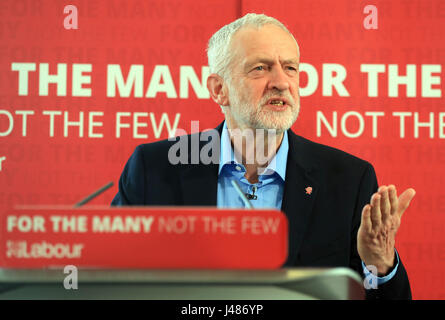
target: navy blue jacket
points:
(322, 226)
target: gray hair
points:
(218, 50)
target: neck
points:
(254, 148)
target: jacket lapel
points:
(199, 185)
(298, 201)
(199, 182)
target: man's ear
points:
(218, 89)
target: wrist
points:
(383, 268)
(384, 271)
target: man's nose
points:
(278, 79)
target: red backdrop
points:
(48, 159)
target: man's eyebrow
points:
(269, 61)
(290, 61)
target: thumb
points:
(405, 199)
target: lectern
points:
(158, 253)
(281, 284)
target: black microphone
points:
(252, 196)
(93, 195)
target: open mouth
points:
(277, 104)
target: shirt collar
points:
(277, 164)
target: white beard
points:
(260, 117)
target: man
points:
(337, 214)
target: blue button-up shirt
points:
(269, 189)
(270, 186)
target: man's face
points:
(263, 91)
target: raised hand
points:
(380, 223)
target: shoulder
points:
(155, 149)
(176, 150)
(323, 156)
(336, 170)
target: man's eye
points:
(292, 68)
(259, 68)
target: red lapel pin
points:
(308, 190)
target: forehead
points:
(268, 41)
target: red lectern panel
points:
(143, 237)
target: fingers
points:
(385, 205)
(376, 216)
(382, 206)
(366, 218)
(404, 200)
(392, 191)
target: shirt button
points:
(238, 168)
